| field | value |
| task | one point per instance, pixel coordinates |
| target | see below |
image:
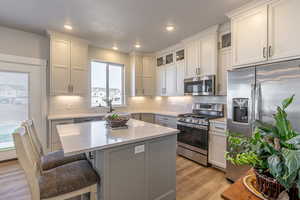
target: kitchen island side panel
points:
(132, 173)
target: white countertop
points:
(90, 136)
(83, 115)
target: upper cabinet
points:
(265, 32)
(170, 75)
(202, 53)
(249, 37)
(284, 29)
(142, 75)
(68, 65)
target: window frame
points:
(123, 104)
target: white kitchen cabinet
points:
(192, 58)
(217, 144)
(171, 80)
(148, 75)
(180, 70)
(202, 53)
(249, 37)
(224, 66)
(79, 67)
(161, 89)
(265, 33)
(284, 29)
(60, 66)
(68, 65)
(208, 53)
(142, 75)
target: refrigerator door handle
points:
(252, 108)
(257, 115)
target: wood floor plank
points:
(194, 182)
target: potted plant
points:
(273, 151)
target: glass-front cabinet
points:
(180, 55)
(169, 58)
(159, 61)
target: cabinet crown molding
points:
(249, 6)
(54, 34)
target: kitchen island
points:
(136, 163)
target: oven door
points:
(192, 87)
(193, 137)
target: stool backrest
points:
(30, 163)
(37, 145)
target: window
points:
(107, 82)
(13, 105)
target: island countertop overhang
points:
(90, 136)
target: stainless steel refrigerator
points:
(254, 93)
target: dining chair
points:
(60, 183)
(52, 159)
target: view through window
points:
(107, 82)
(13, 105)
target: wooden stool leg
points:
(93, 193)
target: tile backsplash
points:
(77, 104)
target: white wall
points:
(20, 43)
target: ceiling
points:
(119, 22)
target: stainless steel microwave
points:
(200, 86)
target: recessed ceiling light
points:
(137, 46)
(170, 28)
(68, 27)
(115, 48)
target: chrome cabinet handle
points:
(264, 52)
(270, 51)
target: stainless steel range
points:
(194, 131)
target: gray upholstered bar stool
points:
(60, 183)
(53, 159)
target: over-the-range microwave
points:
(200, 86)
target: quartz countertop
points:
(83, 115)
(90, 136)
(223, 120)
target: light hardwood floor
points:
(194, 182)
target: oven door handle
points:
(193, 126)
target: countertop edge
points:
(84, 115)
(74, 152)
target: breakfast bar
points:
(134, 163)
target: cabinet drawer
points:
(166, 121)
(218, 126)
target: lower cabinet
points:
(217, 145)
(146, 117)
(144, 170)
(167, 121)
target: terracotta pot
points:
(268, 186)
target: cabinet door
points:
(162, 169)
(148, 117)
(148, 75)
(60, 66)
(208, 55)
(224, 66)
(79, 57)
(128, 184)
(284, 29)
(217, 149)
(161, 81)
(171, 80)
(249, 37)
(192, 58)
(180, 69)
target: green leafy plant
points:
(273, 149)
